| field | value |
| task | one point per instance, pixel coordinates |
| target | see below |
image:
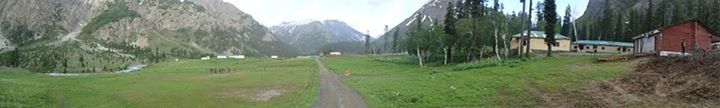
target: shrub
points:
(115, 12)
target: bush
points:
(115, 12)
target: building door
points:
(648, 45)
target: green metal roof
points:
(540, 34)
(604, 43)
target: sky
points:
(363, 15)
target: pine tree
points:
(476, 9)
(693, 9)
(678, 15)
(567, 23)
(551, 19)
(15, 56)
(540, 17)
(416, 37)
(619, 22)
(649, 21)
(496, 5)
(450, 30)
(634, 24)
(607, 24)
(396, 41)
(82, 60)
(662, 14)
(65, 65)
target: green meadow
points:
(395, 81)
(187, 83)
(382, 81)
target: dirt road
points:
(333, 93)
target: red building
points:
(677, 39)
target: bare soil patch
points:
(253, 95)
(692, 79)
(655, 82)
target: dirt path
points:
(333, 93)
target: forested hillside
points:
(467, 31)
(620, 20)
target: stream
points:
(129, 69)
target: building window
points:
(618, 49)
(603, 48)
(575, 47)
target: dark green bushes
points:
(115, 12)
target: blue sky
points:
(362, 15)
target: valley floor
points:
(384, 81)
(190, 83)
(391, 82)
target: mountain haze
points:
(310, 36)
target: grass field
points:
(187, 83)
(386, 83)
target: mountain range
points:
(432, 12)
(310, 36)
(95, 35)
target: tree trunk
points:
(467, 56)
(446, 55)
(521, 41)
(549, 53)
(507, 48)
(474, 39)
(497, 52)
(527, 49)
(419, 56)
(575, 31)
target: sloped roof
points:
(604, 43)
(540, 34)
(701, 23)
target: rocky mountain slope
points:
(4, 43)
(310, 36)
(595, 8)
(90, 34)
(432, 12)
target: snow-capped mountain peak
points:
(311, 35)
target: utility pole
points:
(522, 25)
(527, 50)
